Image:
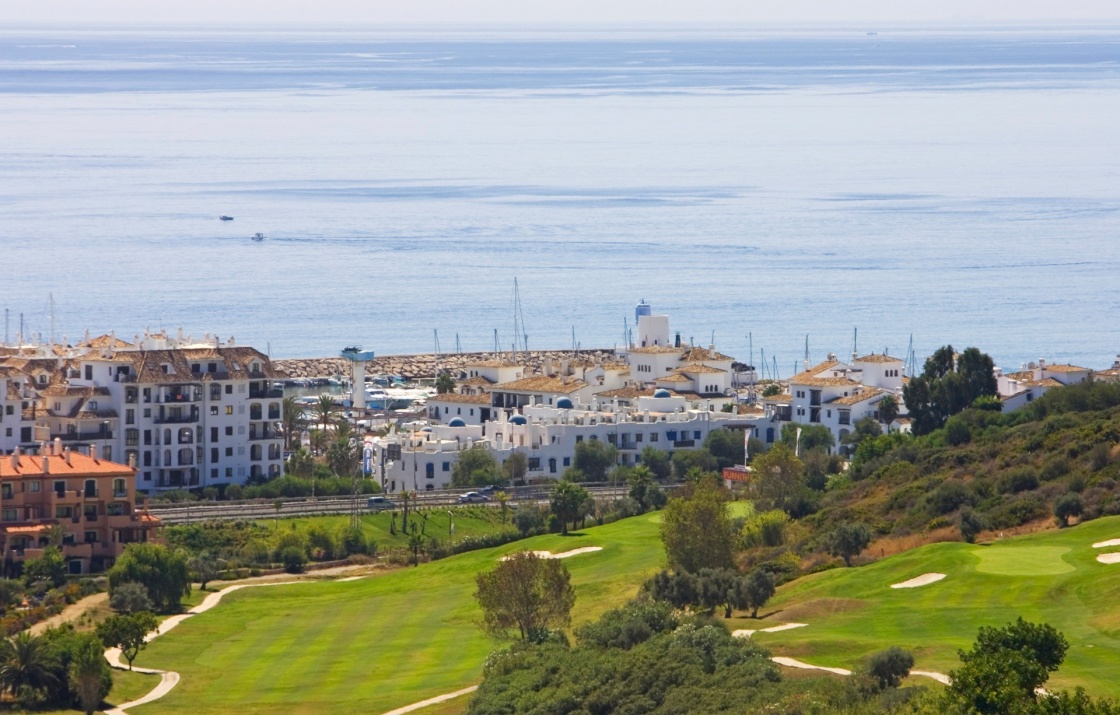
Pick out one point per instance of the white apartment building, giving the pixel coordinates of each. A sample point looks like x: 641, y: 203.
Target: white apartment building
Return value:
x: 191, y: 413
x: 1034, y: 380
x: 548, y: 435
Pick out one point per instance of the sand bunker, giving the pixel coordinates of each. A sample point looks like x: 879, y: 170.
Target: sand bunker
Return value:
x: 1103, y: 544
x: 923, y: 580
x: 564, y: 555
x: 745, y: 633
x: 791, y: 663
x: 1109, y: 558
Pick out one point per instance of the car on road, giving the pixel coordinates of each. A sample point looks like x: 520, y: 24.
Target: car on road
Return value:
x: 380, y: 504
x: 488, y: 489
x: 473, y: 498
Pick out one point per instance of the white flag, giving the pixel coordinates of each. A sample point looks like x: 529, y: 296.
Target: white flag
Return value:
x: 746, y: 445
x: 797, y: 443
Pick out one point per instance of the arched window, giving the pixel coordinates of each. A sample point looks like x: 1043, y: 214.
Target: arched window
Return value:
x: 552, y: 465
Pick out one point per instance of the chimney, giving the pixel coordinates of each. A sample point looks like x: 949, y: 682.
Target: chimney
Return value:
x: 132, y: 460
x: 15, y: 459
x: 57, y: 446
x: 93, y: 453
x: 46, y: 464
x: 66, y: 455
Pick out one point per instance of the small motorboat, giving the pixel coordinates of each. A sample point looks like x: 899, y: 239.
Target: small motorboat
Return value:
x: 226, y: 218
x: 258, y: 236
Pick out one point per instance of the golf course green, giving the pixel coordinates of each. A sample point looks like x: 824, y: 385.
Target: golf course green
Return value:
x: 1052, y: 576
x: 382, y: 642
x: 374, y: 644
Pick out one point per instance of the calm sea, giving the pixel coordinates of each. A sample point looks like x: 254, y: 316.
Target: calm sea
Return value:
x: 959, y: 185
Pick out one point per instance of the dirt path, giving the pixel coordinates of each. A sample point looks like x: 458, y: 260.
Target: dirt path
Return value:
x: 432, y: 701
x: 71, y: 613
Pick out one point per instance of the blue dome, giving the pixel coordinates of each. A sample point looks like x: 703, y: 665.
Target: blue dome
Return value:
x: 425, y: 429
x: 518, y: 420
x: 456, y: 422
x: 564, y: 403
x: 662, y: 392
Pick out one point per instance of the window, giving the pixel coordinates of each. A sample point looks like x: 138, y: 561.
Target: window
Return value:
x: 229, y: 391
x: 214, y: 454
x: 229, y: 451
x: 147, y: 476
x: 6, y: 490
x: 147, y: 458
x: 213, y: 434
x: 430, y: 470
x: 567, y: 461
x: 10, y: 515
x: 579, y: 438
x: 229, y: 472
x: 229, y: 431
x: 91, y: 537
x: 653, y: 436
x: 213, y: 473
x: 119, y: 489
x: 229, y: 409
x: 241, y: 408
x: 34, y: 487
x: 132, y: 437
x: 534, y: 463
x: 130, y: 417
x: 60, y: 488
x: 92, y: 405
x: 213, y: 410
x: 63, y: 512
x: 447, y: 466
x: 147, y: 437
x: 696, y: 435
x: 639, y: 437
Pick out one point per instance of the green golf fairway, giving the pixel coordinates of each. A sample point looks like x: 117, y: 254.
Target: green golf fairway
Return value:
x: 1052, y: 577
x: 374, y: 644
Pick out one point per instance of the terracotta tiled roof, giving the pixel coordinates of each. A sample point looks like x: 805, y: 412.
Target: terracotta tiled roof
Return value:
x: 80, y: 464
x: 1047, y: 382
x: 1065, y: 368
x: 476, y: 381
x: 1023, y: 375
x: 878, y: 358
x: 656, y: 350
x: 822, y: 381
x: 674, y: 377
x: 630, y: 392
x: 105, y: 341
x: 699, y: 369
x: 783, y: 399
x: 814, y: 371
x: 699, y: 354
x: 463, y: 399
x: 857, y: 398
x: 542, y: 383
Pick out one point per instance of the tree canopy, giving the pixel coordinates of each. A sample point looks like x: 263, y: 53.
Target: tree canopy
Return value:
x: 525, y: 593
x: 475, y: 467
x: 697, y: 530
x: 948, y: 384
x: 163, y: 572
x: 567, y: 501
x: 594, y: 458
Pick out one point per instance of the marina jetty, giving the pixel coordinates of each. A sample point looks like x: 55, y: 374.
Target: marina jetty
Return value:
x: 413, y: 367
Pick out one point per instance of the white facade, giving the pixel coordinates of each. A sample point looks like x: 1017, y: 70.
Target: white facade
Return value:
x: 192, y: 414
x: 471, y: 409
x: 1018, y: 389
x: 548, y: 436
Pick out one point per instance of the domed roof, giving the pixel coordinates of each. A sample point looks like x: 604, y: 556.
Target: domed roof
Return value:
x: 456, y: 422
x: 564, y: 403
x: 518, y: 420
x: 426, y: 429
x: 662, y: 392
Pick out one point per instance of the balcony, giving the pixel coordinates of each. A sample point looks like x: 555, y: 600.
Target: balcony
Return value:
x: 265, y: 393
x: 263, y: 434
x: 683, y: 443
x: 83, y: 436
x: 171, y: 417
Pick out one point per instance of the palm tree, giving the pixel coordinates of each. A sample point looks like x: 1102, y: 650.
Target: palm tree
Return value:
x: 292, y: 419
x: 888, y: 410
x: 324, y: 409
x: 503, y: 501
x: 27, y: 660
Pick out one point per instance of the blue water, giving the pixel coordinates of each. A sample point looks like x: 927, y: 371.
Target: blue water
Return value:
x: 958, y: 184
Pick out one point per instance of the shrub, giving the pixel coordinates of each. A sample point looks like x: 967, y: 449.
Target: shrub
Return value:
x: 1020, y: 479
x: 1068, y: 505
x: 890, y: 666
x: 629, y: 625
x: 293, y: 559
x: 235, y: 492
x: 130, y: 597
x: 970, y: 524
x: 948, y: 497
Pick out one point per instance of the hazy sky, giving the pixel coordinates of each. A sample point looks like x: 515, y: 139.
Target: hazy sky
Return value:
x: 550, y: 12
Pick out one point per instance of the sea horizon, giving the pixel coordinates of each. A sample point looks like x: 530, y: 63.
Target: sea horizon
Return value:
x: 954, y: 182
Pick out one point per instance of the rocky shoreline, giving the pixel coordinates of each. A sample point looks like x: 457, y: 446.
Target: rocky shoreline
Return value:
x: 413, y: 367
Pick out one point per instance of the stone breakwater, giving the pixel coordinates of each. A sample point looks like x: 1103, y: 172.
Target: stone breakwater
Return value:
x: 417, y: 366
